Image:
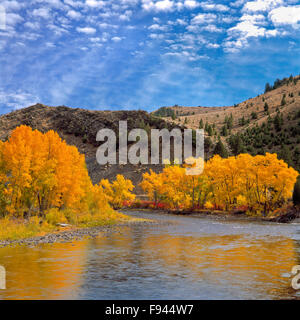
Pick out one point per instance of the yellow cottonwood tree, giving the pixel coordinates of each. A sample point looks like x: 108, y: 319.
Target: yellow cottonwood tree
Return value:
x: 118, y: 191
x: 261, y: 183
x: 40, y: 171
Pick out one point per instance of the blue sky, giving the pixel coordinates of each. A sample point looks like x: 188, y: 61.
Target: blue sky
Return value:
x: 144, y: 54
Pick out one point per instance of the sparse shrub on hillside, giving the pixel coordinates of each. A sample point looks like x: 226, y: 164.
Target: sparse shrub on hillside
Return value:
x: 254, y: 115
x: 279, y: 83
x: 266, y: 107
x: 165, y: 112
x: 243, y: 121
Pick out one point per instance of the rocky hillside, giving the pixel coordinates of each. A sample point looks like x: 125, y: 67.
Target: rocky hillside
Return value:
x: 79, y: 127
x: 269, y: 122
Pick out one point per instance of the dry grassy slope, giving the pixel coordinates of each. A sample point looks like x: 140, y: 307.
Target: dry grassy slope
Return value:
x: 217, y: 115
x: 79, y: 127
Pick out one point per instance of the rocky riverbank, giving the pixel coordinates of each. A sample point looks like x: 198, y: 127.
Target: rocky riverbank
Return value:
x: 75, y: 234
x: 292, y: 215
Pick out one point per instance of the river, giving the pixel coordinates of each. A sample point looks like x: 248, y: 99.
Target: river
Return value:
x: 183, y: 257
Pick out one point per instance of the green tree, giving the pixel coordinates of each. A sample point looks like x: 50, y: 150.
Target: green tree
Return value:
x: 254, y: 115
x: 268, y: 87
x: 266, y: 107
x: 224, y: 131
x: 296, y: 193
x: 236, y: 144
x: 278, y: 121
x: 207, y: 144
x: 201, y: 125
x: 286, y: 155
x: 220, y: 149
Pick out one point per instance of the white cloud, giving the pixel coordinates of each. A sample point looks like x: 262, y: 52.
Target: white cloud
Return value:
x: 126, y: 15
x: 212, y: 28
x: 116, y: 39
x: 156, y: 36
x: 177, y: 22
x: 13, y: 18
x: 42, y: 13
x: 86, y: 30
x: 161, y: 5
x: 254, y: 19
x: 74, y: 14
x: 181, y: 22
x: 247, y: 29
x: 250, y: 26
x: 191, y: 4
x: 95, y: 39
x: 234, y: 46
x: 213, y: 45
x: 74, y: 3
x: 32, y: 25
x: 285, y: 16
x: 95, y: 3
x: 57, y: 30
x: 237, y: 3
x: 58, y: 4
x: 12, y: 5
x: 261, y: 5
x: 158, y: 27
x: 17, y: 100
x: 214, y: 7
x: 228, y: 19
x: 202, y: 18
x: 272, y: 33
x: 50, y: 45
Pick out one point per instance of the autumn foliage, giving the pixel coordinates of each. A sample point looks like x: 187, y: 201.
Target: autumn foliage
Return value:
x: 118, y: 191
x: 40, y: 175
x: 259, y: 184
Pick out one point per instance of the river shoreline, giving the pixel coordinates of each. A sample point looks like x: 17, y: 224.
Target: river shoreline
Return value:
x: 292, y: 216
x: 75, y: 234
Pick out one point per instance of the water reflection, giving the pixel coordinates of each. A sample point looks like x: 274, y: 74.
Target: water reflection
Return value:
x: 189, y: 259
x: 44, y: 272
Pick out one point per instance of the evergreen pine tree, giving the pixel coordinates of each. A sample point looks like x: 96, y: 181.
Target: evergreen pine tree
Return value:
x: 221, y: 150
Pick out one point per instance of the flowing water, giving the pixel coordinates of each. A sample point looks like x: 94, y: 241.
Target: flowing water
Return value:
x: 187, y: 258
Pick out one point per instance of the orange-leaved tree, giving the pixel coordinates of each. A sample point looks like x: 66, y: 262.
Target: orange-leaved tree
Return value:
x: 260, y: 183
x: 118, y: 191
x: 40, y: 171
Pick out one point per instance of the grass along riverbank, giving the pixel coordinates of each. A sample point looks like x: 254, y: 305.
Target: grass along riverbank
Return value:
x: 62, y: 235
x: 56, y: 221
